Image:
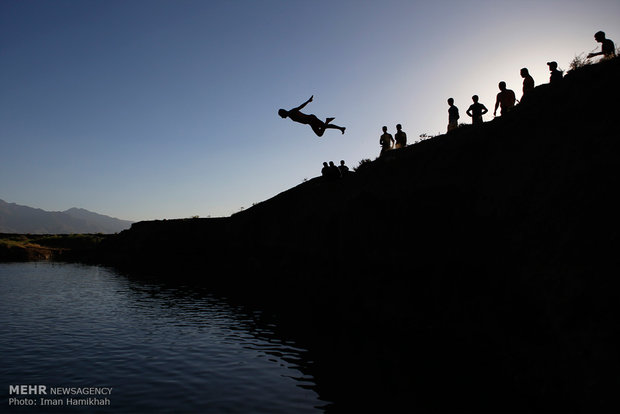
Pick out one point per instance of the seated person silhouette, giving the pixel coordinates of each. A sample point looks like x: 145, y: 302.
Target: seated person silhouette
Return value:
x: 344, y: 170
x: 528, y: 83
x: 325, y: 170
x: 315, y: 123
x: 556, y: 75
x: 476, y: 110
x: 506, y: 98
x: 334, y: 172
x: 608, y: 49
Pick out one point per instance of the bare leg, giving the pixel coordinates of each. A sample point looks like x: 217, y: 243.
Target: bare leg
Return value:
x: 331, y: 126
x: 319, y: 126
x: 328, y: 125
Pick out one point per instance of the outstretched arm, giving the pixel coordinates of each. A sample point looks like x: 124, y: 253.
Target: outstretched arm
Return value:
x: 305, y: 103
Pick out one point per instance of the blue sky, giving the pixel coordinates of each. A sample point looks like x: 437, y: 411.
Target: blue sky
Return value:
x: 166, y: 109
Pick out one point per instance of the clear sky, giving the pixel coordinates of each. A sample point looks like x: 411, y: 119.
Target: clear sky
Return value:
x: 167, y: 109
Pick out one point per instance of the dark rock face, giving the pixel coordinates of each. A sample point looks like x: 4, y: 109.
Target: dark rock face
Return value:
x: 495, y: 248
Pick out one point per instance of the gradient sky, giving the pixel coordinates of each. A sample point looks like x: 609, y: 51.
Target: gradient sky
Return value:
x: 167, y: 109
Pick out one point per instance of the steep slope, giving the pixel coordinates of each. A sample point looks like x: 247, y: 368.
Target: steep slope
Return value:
x: 495, y: 248
x: 106, y: 224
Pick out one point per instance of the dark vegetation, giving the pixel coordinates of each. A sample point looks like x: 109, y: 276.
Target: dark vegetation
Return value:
x: 472, y: 271
x: 62, y: 247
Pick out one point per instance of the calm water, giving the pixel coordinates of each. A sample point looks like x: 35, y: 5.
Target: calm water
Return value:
x: 160, y: 348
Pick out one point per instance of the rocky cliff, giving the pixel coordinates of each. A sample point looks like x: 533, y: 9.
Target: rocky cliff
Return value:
x: 493, y: 248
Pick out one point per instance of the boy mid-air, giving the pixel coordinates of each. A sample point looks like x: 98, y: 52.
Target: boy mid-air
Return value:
x: 315, y: 123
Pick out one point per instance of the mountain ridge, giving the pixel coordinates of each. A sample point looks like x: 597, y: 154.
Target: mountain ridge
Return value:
x: 15, y: 218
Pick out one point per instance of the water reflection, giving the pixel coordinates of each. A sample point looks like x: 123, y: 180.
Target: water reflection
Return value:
x: 163, y: 347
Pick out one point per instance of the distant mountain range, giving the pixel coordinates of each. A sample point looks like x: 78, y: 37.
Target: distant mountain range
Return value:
x: 27, y: 220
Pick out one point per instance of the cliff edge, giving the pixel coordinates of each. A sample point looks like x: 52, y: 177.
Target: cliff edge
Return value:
x: 494, y: 247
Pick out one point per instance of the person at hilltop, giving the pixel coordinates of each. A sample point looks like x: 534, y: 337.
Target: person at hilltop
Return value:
x: 325, y: 170
x: 400, y: 136
x: 476, y: 110
x: 453, y: 115
x: 315, y: 123
x: 344, y: 170
x: 334, y: 172
x: 556, y: 75
x: 608, y: 49
x: 386, y: 141
x: 505, y: 99
x: 528, y: 83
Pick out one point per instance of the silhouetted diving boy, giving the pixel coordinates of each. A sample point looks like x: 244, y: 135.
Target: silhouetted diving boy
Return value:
x: 315, y: 123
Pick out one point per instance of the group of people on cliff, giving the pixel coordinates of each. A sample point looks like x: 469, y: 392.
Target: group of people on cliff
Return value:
x: 506, y: 99
x: 332, y: 172
x: 387, y: 141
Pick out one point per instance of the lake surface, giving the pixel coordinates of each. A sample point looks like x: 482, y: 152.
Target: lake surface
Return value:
x: 160, y: 347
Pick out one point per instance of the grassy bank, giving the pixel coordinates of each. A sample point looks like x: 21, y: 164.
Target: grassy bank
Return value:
x: 35, y: 247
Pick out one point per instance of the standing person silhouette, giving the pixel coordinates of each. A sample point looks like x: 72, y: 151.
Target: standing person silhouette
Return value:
x: 453, y: 115
x: 476, y: 110
x: 315, y: 123
x: 386, y: 141
x: 506, y: 99
x: 401, y: 137
x: 608, y: 49
x: 528, y: 82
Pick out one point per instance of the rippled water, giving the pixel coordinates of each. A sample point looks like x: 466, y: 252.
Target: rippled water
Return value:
x: 161, y: 348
